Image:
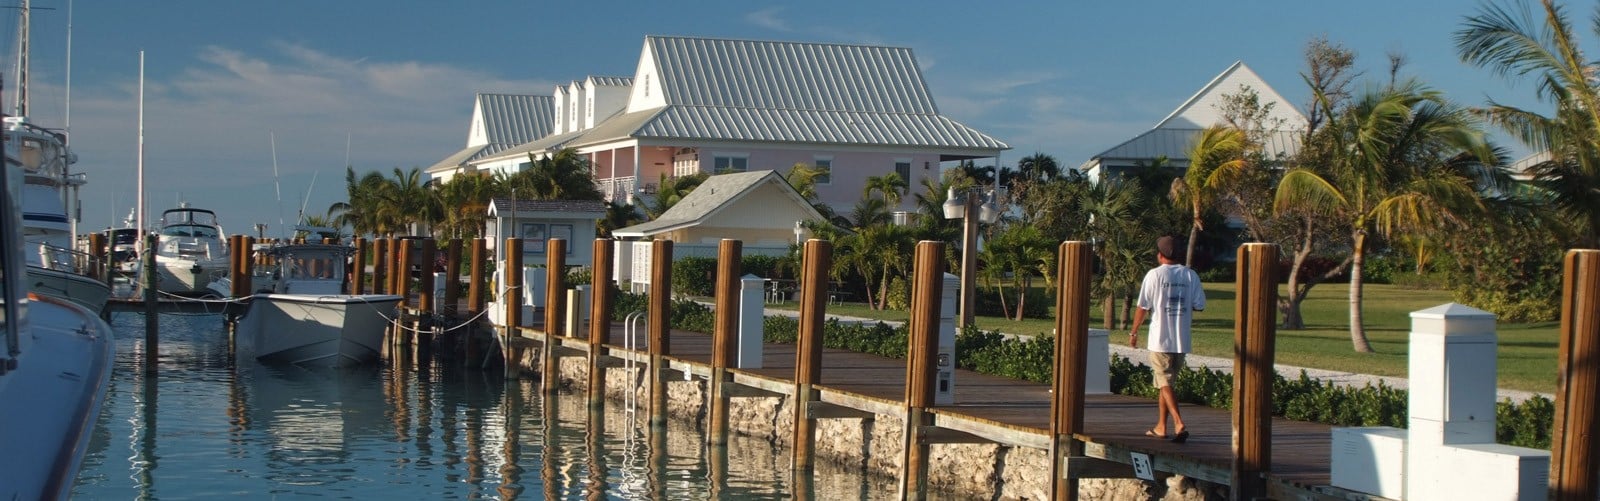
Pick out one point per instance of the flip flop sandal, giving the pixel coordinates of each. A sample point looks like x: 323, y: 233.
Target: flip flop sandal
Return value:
x: 1181, y: 437
x: 1152, y: 433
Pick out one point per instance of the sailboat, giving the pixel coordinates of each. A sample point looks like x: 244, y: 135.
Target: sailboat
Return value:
x: 56, y: 266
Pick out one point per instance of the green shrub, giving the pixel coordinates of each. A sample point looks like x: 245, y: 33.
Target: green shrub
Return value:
x: 1526, y: 424
x: 694, y: 276
x: 1040, y: 303
x: 761, y: 266
x: 899, y: 294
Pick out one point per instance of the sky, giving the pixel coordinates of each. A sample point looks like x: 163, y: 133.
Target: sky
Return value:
x: 385, y: 84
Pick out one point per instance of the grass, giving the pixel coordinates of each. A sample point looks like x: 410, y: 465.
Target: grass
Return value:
x: 1527, y: 352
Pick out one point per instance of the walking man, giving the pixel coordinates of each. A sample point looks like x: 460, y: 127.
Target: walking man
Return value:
x: 1172, y: 291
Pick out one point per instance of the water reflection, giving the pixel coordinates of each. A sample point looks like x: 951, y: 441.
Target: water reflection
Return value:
x: 414, y: 431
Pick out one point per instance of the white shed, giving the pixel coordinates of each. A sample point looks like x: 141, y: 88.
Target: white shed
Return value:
x: 536, y: 221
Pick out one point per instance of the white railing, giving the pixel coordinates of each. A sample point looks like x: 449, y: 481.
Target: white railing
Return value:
x: 617, y: 188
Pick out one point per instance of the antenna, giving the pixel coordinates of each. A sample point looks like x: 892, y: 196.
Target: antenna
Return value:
x: 276, y: 188
x: 307, y: 199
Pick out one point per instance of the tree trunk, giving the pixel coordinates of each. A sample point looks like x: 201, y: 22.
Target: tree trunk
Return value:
x: 1127, y: 311
x: 1194, y: 236
x: 883, y: 292
x: 1289, y: 305
x: 1000, y: 290
x: 1358, y: 335
x: 1107, y: 311
x: 1022, y: 297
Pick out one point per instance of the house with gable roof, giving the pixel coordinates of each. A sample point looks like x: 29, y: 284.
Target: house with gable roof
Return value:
x: 721, y: 105
x: 499, y: 123
x: 759, y: 208
x: 1172, y: 137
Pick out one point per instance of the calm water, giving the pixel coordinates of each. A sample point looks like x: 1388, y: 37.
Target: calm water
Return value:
x: 202, y: 427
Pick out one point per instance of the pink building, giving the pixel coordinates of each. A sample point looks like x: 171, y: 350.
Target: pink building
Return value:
x: 718, y: 105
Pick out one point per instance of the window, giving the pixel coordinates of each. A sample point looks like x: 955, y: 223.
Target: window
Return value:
x: 729, y: 163
x: 902, y: 166
x: 825, y: 166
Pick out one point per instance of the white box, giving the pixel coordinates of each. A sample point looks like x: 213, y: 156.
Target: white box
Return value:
x: 1371, y: 460
x: 1480, y: 471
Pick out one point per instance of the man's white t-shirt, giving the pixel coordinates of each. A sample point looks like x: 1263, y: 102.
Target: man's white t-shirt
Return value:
x: 1171, y: 292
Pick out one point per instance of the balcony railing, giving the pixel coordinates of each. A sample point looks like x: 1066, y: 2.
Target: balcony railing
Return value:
x: 616, y: 189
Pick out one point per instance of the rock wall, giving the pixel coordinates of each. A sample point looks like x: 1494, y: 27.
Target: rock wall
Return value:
x: 869, y: 450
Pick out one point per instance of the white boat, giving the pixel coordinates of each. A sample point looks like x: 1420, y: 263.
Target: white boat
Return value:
x: 57, y: 267
x: 55, y: 367
x: 191, y: 252
x: 307, y: 319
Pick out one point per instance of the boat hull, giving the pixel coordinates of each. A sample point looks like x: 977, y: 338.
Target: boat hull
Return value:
x: 54, y: 394
x: 81, y: 290
x: 314, y: 330
x: 188, y: 276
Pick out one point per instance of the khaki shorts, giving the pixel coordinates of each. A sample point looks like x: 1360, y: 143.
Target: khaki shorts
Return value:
x: 1164, y: 367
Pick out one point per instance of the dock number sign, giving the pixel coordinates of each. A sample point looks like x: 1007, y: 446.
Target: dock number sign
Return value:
x: 1141, y: 466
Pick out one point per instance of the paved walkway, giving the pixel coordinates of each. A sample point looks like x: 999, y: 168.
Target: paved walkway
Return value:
x: 1226, y: 364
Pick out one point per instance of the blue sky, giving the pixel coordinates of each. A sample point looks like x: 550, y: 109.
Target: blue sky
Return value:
x: 397, y: 77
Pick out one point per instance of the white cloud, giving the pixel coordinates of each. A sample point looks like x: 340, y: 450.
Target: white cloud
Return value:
x: 769, y: 18
x: 207, y: 127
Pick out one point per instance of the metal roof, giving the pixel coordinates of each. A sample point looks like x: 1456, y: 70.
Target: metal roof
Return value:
x: 467, y: 155
x: 513, y: 119
x: 712, y: 196
x: 808, y: 126
x: 500, y: 205
x: 547, y: 143
x: 1174, y: 143
x: 789, y: 75
x: 603, y: 81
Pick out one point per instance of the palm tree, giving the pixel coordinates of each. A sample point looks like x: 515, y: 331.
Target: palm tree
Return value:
x: 467, y: 198
x: 891, y: 185
x: 618, y: 215
x: 563, y: 175
x: 671, y: 190
x: 1392, y: 170
x: 1215, y: 157
x: 1039, y: 167
x: 1018, y: 250
x: 1516, y: 43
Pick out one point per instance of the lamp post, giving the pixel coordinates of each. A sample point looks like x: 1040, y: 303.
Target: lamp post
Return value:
x: 964, y: 209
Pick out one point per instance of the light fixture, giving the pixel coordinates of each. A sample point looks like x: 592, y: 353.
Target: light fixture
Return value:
x: 987, y: 213
x: 954, y: 209
x: 799, y: 232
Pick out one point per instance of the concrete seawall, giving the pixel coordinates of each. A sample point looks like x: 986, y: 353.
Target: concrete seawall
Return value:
x: 872, y: 447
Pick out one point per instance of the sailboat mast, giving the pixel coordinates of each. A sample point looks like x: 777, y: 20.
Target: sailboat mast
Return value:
x: 20, y: 105
x: 140, y: 205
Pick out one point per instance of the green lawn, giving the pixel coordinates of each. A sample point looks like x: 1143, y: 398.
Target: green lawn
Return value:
x: 1527, y: 351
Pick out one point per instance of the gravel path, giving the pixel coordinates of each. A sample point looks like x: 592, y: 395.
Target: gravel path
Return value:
x: 1226, y: 364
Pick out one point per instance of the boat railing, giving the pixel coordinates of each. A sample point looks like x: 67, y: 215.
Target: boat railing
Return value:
x: 57, y: 258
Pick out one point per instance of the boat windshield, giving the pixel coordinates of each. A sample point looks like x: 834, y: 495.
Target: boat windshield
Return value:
x: 189, y: 230
x: 315, y: 267
x: 124, y: 237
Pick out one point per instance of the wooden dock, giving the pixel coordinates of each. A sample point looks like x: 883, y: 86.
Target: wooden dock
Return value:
x: 1014, y: 412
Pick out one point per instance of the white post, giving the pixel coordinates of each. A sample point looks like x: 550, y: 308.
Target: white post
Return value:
x: 439, y: 285
x: 584, y: 296
x: 1452, y: 386
x: 574, y: 314
x: 1450, y: 448
x: 1097, y: 375
x: 752, y: 320
x: 621, y: 262
x: 532, y: 293
x: 944, y: 393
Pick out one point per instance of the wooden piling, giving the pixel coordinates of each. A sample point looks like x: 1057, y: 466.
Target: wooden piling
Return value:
x: 512, y: 301
x: 425, y: 301
x: 380, y: 265
x: 235, y: 266
x: 476, y: 279
x: 599, y: 321
x: 1576, y: 435
x: 402, y: 271
x: 555, y: 311
x: 724, y: 336
x: 922, y: 368
x: 358, y: 267
x: 247, y: 265
x: 816, y: 260
x: 152, y: 324
x: 1076, y: 265
x: 1255, y: 326
x: 660, y: 326
x: 97, y: 257
x: 475, y: 287
x: 452, y: 278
